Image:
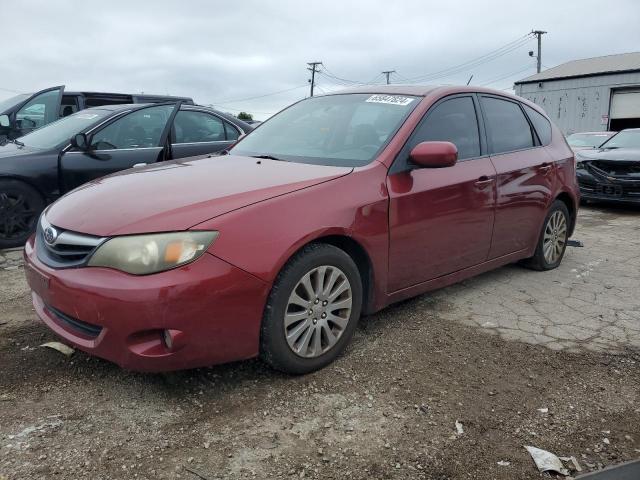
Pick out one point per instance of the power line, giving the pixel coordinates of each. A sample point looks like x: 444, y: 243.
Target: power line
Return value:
x: 487, y: 57
x: 236, y: 100
x: 504, y: 76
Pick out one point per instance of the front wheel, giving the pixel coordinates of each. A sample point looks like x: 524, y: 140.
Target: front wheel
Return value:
x: 553, y: 239
x: 312, y: 310
x: 20, y: 207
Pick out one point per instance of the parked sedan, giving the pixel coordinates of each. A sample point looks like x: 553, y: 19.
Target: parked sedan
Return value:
x: 25, y: 112
x: 588, y: 140
x: 42, y: 165
x: 612, y: 172
x: 339, y: 205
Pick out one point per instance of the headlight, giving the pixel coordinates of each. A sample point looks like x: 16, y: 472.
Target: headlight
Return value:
x: 144, y: 254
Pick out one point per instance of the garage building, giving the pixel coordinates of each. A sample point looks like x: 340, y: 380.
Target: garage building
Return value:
x: 589, y: 95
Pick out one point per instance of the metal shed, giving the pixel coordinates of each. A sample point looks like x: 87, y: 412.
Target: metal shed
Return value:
x: 592, y: 94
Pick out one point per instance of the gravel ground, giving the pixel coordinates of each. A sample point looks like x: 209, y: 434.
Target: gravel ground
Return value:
x: 516, y: 357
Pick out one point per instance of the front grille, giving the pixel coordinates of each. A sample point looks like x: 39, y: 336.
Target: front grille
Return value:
x: 622, y: 170
x: 64, y: 248
x: 85, y: 328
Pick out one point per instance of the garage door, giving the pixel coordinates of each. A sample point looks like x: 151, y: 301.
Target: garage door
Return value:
x: 625, y: 109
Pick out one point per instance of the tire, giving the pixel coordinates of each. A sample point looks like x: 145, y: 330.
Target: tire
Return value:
x: 20, y: 208
x: 291, y: 346
x: 553, y: 239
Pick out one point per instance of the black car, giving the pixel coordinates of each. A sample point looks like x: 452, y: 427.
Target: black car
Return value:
x: 23, y: 113
x: 611, y: 172
x: 41, y: 166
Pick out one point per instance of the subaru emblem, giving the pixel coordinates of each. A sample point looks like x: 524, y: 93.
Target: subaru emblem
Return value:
x: 50, y: 235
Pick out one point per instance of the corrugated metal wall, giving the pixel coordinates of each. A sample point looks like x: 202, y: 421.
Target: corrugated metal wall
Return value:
x: 579, y: 104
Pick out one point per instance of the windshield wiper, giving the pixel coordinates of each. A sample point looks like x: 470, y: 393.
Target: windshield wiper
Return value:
x: 269, y: 157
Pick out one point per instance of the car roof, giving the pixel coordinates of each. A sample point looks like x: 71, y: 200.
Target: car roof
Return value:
x: 185, y: 106
x: 426, y: 90
x: 594, y: 133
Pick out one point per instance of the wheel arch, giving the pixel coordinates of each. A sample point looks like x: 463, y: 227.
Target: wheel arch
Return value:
x: 570, y: 203
x: 358, y: 254
x: 29, y: 183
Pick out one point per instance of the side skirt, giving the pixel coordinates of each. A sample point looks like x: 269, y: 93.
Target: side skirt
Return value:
x: 455, y: 277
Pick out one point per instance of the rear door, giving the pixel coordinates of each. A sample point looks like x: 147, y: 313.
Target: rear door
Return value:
x: 198, y: 132
x: 138, y: 136
x: 525, y: 175
x: 42, y: 108
x: 441, y: 219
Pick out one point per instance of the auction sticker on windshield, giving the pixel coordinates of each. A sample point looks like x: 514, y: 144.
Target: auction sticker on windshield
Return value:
x: 390, y: 99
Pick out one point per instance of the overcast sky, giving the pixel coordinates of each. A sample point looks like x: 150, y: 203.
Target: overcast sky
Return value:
x: 222, y: 52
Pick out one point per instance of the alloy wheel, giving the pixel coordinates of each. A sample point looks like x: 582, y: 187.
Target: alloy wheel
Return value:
x: 318, y: 311
x: 16, y: 215
x: 555, y: 237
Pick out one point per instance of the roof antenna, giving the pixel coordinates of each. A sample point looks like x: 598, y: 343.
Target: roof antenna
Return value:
x: 469, y: 79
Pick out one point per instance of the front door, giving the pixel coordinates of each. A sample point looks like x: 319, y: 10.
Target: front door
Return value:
x: 138, y: 137
x: 525, y: 176
x: 196, y: 132
x: 441, y: 219
x: 42, y: 108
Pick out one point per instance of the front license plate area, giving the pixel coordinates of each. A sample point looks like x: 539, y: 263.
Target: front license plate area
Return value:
x: 609, y: 190
x: 38, y: 281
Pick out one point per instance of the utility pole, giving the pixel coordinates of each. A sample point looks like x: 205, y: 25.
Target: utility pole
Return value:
x: 538, y: 34
x: 313, y: 70
x: 388, y: 74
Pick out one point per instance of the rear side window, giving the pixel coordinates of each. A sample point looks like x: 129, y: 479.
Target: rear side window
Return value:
x: 197, y: 127
x: 507, y: 127
x: 541, y: 124
x: 452, y: 121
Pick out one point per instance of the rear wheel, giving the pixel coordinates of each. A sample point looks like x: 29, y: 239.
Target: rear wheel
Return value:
x: 312, y: 310
x: 553, y: 239
x: 20, y: 207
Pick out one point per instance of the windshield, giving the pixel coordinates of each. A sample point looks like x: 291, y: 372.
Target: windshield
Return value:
x: 57, y: 133
x: 341, y: 130
x: 11, y: 102
x: 624, y: 139
x: 592, y: 140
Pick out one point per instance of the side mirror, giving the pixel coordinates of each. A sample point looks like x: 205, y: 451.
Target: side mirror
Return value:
x: 434, y: 154
x: 80, y: 141
x: 4, y: 121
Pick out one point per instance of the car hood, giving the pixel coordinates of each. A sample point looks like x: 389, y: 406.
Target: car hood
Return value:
x: 179, y: 194
x: 13, y: 150
x: 614, y: 155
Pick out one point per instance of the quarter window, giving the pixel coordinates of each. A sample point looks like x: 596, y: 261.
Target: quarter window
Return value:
x: 196, y: 127
x: 541, y: 124
x: 507, y: 127
x: 452, y: 121
x: 232, y: 132
x: 139, y: 129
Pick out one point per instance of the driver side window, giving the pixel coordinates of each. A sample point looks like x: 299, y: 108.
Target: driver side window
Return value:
x: 452, y: 121
x: 139, y: 129
x: 38, y: 111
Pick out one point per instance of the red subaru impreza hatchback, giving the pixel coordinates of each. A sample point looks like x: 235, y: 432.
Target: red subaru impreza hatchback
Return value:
x: 334, y: 208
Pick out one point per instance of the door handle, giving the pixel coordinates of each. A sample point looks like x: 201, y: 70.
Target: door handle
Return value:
x: 483, y: 181
x: 545, y: 168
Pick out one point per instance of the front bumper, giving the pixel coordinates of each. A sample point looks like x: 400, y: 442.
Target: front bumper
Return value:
x: 605, y: 189
x: 212, y: 309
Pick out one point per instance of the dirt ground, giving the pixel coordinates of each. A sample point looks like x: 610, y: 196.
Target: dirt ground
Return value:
x: 491, y: 353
